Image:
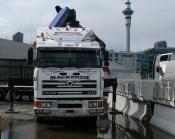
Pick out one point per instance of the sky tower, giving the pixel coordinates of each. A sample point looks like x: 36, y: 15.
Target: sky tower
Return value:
x: 128, y: 12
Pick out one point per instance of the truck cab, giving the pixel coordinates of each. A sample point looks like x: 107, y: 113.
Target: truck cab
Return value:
x: 164, y: 67
x: 68, y: 74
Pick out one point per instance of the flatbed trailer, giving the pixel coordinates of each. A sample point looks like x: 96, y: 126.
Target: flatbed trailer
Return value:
x: 20, y: 87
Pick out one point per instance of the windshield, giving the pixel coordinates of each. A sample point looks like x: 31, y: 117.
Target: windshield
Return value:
x: 68, y: 58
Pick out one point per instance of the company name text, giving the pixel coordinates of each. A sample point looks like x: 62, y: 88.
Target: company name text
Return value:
x: 55, y: 77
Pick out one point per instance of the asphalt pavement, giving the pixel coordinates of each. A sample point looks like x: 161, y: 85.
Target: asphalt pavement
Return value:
x: 22, y: 110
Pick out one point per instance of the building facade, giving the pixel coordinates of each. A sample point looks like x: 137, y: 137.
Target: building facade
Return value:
x: 15, y: 68
x: 130, y: 62
x: 13, y: 60
x: 122, y: 61
x: 143, y: 64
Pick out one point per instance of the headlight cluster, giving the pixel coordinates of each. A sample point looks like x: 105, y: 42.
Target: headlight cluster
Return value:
x: 92, y: 104
x: 46, y: 104
x: 95, y: 104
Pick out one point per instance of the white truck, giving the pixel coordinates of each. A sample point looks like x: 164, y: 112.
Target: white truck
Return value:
x: 164, y: 67
x: 69, y: 72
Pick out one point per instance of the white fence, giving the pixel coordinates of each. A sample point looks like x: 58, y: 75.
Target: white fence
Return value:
x: 130, y: 89
x: 141, y: 90
x: 162, y: 92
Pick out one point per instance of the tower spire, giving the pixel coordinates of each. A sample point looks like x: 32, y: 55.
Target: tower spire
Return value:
x: 128, y: 12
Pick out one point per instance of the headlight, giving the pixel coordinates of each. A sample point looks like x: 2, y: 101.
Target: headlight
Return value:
x: 92, y: 104
x: 46, y: 104
x: 100, y: 104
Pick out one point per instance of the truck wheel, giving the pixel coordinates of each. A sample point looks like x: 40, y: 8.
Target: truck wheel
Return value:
x: 2, y: 94
x: 39, y: 119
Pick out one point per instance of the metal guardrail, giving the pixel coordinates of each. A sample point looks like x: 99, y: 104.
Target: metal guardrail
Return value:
x: 164, y: 93
x: 130, y: 89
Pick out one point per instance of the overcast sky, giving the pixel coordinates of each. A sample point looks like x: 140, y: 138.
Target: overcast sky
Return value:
x: 153, y: 20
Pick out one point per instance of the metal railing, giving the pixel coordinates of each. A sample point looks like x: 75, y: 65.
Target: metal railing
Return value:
x: 130, y: 89
x: 164, y: 93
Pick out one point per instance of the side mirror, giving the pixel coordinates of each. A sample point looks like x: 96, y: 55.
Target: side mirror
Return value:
x: 106, y: 56
x: 30, y: 55
x: 159, y: 69
x: 106, y: 63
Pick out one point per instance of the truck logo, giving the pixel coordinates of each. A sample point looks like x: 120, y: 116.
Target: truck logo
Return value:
x: 69, y: 83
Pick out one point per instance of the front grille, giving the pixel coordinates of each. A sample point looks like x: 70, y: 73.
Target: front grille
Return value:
x: 73, y: 86
x: 80, y: 84
x: 69, y: 93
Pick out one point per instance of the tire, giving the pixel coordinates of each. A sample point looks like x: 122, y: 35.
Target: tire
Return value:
x: 39, y: 119
x: 2, y: 94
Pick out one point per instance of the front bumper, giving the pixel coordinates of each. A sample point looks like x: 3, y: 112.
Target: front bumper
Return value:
x: 55, y: 112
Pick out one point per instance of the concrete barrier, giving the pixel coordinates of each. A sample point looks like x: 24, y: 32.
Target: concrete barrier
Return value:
x: 129, y: 107
x: 163, y: 118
